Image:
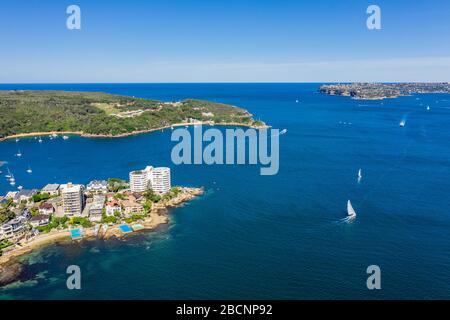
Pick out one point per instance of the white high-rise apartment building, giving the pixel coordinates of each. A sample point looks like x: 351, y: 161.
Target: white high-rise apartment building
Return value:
x: 157, y: 179
x: 72, y: 199
x: 140, y: 180
x: 161, y: 180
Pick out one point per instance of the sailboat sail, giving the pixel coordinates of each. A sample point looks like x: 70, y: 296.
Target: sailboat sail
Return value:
x: 351, y: 212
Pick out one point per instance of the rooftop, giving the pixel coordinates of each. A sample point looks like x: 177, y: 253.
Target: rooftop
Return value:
x: 25, y: 193
x: 46, y: 205
x: 50, y: 187
x: 39, y: 217
x: 102, y: 183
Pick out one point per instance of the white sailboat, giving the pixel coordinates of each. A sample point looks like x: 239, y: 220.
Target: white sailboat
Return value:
x: 19, y: 154
x: 65, y: 137
x: 29, y: 170
x: 359, y: 175
x: 402, y: 123
x: 428, y: 107
x: 350, y: 211
x: 19, y: 187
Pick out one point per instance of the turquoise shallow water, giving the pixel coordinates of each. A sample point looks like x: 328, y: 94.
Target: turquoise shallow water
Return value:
x: 255, y: 236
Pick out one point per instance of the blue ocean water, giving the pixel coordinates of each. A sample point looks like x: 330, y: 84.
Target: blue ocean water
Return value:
x: 268, y: 237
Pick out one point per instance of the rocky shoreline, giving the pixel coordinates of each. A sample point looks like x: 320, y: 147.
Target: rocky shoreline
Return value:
x: 122, y: 135
x: 11, y: 267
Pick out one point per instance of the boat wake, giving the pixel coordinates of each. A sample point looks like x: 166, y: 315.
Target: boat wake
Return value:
x: 346, y: 220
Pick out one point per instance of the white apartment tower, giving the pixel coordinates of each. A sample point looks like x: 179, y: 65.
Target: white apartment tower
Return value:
x: 140, y: 180
x: 72, y: 199
x: 157, y: 179
x: 161, y: 180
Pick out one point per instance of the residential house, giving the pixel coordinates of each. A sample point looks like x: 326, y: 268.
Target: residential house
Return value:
x: 25, y: 215
x: 46, y: 208
x: 52, y: 189
x: 112, y: 207
x: 13, y: 229
x: 24, y: 195
x: 131, y: 207
x: 97, y: 186
x: 133, y: 196
x: 40, y: 220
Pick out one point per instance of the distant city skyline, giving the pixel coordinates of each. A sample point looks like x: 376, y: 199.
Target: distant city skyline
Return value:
x: 224, y: 41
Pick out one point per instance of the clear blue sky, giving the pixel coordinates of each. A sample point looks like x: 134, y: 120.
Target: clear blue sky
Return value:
x: 224, y: 41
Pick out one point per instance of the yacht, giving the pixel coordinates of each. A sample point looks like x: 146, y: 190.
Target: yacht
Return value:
x: 29, y: 170
x: 350, y: 211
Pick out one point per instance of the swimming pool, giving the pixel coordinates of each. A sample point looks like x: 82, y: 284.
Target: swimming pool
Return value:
x: 76, y: 233
x: 125, y: 228
x: 137, y: 227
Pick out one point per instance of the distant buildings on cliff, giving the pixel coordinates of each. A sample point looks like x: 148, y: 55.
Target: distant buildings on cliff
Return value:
x: 377, y: 91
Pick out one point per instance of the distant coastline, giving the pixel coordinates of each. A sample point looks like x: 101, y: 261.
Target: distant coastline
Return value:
x: 127, y: 134
x: 381, y: 91
x: 94, y: 114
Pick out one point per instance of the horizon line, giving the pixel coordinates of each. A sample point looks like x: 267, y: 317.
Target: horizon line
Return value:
x: 216, y: 82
